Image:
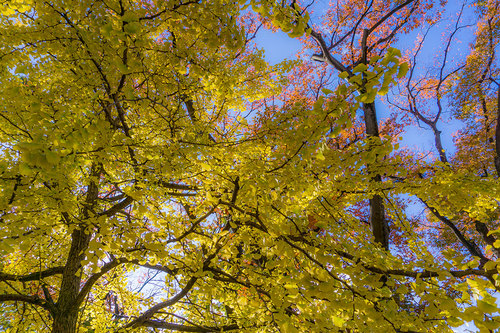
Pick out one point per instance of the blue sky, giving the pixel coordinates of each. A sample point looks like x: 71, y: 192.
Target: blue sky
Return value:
x: 278, y: 46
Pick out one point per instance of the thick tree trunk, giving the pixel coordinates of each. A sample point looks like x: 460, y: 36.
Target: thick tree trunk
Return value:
x: 66, y: 313
x: 67, y: 306
x: 65, y: 322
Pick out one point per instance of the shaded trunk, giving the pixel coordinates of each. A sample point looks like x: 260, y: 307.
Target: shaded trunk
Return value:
x: 66, y: 308
x: 65, y: 322
x: 370, y: 119
x: 497, y: 135
x: 378, y: 223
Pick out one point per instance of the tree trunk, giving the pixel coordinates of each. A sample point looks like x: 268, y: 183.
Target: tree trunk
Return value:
x: 438, y: 143
x: 380, y: 229
x: 65, y: 322
x: 497, y: 135
x: 378, y: 223
x: 66, y: 313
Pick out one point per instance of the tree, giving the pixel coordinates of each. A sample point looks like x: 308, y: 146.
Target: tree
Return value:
x: 114, y: 115
x: 149, y: 136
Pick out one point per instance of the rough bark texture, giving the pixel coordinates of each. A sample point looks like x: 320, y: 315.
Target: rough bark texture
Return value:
x: 66, y: 312
x: 66, y: 309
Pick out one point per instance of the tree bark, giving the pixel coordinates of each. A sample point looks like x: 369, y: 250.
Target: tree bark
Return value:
x: 370, y: 119
x: 378, y: 223
x: 66, y: 311
x: 438, y: 143
x: 497, y: 135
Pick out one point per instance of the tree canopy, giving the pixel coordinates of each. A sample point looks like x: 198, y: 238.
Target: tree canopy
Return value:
x: 156, y: 173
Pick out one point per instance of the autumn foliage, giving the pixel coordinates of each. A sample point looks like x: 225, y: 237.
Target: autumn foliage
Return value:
x: 156, y: 173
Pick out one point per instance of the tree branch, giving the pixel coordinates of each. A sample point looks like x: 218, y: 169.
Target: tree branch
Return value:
x: 416, y: 274
x: 32, y: 276
x: 35, y: 300
x: 194, y: 225
x: 392, y: 12
x: 93, y: 279
x: 185, y: 328
x: 488, y: 239
x: 139, y: 321
x: 326, y: 56
x: 118, y: 207
x: 174, y: 186
x: 471, y: 247
x: 397, y: 272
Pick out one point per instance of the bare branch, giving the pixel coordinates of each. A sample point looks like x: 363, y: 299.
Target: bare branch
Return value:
x: 389, y: 14
x: 397, y: 272
x: 175, y: 186
x: 193, y: 226
x: 417, y: 274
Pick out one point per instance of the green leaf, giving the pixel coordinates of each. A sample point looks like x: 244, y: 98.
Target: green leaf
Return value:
x: 360, y: 68
x: 403, y: 69
x: 132, y: 28
x: 486, y: 307
x: 344, y: 75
